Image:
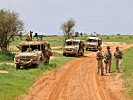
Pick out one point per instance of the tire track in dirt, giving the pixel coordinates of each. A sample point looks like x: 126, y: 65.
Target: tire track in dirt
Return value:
x: 77, y: 80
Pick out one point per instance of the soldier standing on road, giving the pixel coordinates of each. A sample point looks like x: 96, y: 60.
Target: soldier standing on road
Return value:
x: 118, y: 58
x: 108, y: 58
x: 99, y: 57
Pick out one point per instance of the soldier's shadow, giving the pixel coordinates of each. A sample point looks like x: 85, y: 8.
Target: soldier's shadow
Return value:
x: 28, y: 68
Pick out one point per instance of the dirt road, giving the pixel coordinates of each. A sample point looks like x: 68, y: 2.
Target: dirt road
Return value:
x: 78, y: 80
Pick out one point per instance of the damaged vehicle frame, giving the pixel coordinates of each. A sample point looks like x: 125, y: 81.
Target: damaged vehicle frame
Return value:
x: 31, y: 53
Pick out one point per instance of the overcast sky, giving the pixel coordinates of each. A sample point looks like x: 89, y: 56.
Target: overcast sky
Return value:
x: 101, y: 16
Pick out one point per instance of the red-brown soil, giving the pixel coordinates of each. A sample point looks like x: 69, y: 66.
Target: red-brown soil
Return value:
x: 78, y: 80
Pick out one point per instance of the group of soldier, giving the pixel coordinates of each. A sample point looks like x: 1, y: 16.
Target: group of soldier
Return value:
x: 107, y: 58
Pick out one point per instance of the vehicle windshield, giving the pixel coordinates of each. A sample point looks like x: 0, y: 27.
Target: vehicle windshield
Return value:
x: 92, y: 40
x: 24, y: 48
x: 29, y: 48
x: 69, y: 43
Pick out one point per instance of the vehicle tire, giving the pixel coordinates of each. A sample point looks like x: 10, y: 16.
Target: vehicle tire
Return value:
x: 86, y: 49
x: 17, y: 66
x: 64, y: 54
x: 35, y: 65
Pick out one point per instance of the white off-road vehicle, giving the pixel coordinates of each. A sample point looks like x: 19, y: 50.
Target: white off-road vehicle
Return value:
x: 92, y: 43
x: 73, y: 47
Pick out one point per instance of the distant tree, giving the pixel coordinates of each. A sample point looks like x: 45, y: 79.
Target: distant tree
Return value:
x: 98, y: 34
x: 67, y: 28
x: 81, y: 34
x: 118, y: 34
x: 20, y: 35
x: 10, y: 25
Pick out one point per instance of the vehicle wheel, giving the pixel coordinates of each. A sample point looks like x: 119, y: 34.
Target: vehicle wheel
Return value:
x: 64, y: 54
x: 17, y: 67
x: 86, y: 49
x: 35, y: 65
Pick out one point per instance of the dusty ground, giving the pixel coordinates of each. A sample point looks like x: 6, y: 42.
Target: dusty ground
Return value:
x: 77, y: 80
x: 7, y: 63
x: 3, y: 72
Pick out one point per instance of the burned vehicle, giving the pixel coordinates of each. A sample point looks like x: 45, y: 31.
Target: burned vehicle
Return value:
x: 32, y: 53
x: 73, y: 47
x: 92, y: 43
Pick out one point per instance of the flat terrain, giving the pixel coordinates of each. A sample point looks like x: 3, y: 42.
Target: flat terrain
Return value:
x: 78, y: 80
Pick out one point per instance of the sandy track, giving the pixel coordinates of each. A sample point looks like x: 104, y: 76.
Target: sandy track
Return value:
x: 77, y: 80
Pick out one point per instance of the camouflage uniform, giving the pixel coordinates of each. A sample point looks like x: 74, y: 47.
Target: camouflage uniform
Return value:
x: 108, y: 58
x: 118, y: 58
x: 99, y: 58
x: 29, y: 36
x: 45, y: 56
x: 46, y: 53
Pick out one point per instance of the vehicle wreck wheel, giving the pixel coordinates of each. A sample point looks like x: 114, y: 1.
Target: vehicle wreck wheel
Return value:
x: 17, y: 67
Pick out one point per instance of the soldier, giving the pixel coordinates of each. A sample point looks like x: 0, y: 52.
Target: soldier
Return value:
x: 99, y: 57
x: 29, y: 36
x: 118, y: 58
x: 46, y: 53
x: 108, y: 58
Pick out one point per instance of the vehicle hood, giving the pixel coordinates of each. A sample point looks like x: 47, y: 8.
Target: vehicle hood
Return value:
x: 71, y: 47
x: 28, y: 53
x: 92, y: 43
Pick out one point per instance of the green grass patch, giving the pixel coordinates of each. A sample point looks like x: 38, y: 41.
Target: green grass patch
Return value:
x: 53, y: 40
x: 126, y: 39
x: 128, y: 71
x: 127, y: 74
x: 17, y: 82
x: 58, y: 40
x: 6, y: 57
